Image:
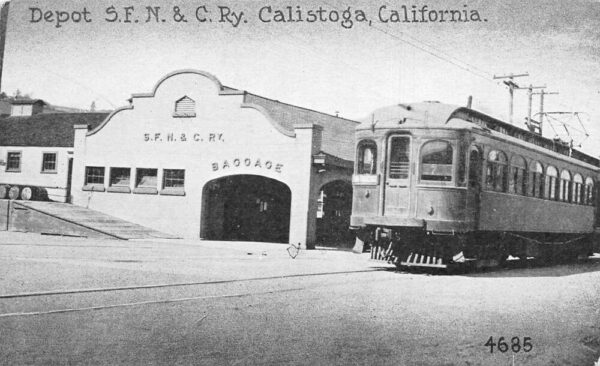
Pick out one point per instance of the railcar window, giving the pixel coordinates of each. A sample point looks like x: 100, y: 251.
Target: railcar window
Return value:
x: 564, y: 192
x: 589, y: 191
x: 399, y: 162
x: 551, y: 180
x: 518, y: 177
x: 578, y: 189
x: 367, y: 157
x: 537, y: 180
x: 436, y: 161
x: 497, y: 171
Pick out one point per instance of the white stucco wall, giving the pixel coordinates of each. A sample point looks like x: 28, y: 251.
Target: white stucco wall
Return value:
x: 206, y: 146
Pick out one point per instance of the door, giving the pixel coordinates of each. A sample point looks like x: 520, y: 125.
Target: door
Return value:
x: 69, y: 178
x: 474, y: 187
x: 397, y: 180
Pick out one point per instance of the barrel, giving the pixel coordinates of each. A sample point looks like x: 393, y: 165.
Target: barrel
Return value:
x: 3, y: 191
x: 13, y: 192
x: 33, y: 194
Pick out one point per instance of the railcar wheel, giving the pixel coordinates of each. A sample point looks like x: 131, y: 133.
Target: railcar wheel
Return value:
x: 3, y: 191
x: 13, y: 192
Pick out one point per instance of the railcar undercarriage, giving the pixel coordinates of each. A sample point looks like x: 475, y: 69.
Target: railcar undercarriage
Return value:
x: 417, y: 248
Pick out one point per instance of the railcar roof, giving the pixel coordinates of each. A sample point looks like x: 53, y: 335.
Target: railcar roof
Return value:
x: 435, y: 114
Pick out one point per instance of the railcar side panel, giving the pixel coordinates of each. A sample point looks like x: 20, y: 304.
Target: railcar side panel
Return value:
x: 441, y: 204
x: 505, y: 212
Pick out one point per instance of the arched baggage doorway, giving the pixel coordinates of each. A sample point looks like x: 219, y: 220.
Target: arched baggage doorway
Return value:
x: 246, y: 208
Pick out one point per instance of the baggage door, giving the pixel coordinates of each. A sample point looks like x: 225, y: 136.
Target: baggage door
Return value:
x: 397, y: 180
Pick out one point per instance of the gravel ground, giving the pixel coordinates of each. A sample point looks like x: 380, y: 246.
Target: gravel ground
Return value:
x: 215, y: 303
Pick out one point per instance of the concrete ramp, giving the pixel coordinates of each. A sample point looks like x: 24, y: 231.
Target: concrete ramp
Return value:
x: 65, y: 219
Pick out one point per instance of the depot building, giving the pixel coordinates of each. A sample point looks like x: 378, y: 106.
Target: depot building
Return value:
x: 198, y: 159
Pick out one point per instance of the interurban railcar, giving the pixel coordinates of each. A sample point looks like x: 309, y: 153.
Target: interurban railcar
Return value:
x: 436, y: 184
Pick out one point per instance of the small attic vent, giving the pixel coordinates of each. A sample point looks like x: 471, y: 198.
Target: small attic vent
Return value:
x: 185, y: 107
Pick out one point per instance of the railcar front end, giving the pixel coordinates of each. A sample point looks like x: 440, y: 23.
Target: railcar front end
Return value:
x: 411, y: 197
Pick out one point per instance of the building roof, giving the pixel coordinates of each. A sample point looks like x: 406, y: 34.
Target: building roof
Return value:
x: 45, y: 130
x: 27, y: 101
x: 338, y: 133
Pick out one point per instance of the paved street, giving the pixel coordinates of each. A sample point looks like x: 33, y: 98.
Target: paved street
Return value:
x: 78, y: 301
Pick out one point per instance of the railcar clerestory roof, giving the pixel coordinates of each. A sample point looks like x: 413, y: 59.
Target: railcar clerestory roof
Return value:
x: 440, y: 115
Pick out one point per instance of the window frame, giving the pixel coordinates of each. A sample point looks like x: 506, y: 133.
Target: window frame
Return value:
x: 94, y: 186
x: 565, y: 186
x: 362, y: 146
x: 552, y: 184
x: 538, y: 179
x: 145, y: 189
x: 172, y: 190
x: 589, y: 194
x: 49, y: 171
x: 578, y: 189
x: 496, y: 174
x: 389, y: 155
x: 117, y: 187
x: 514, y: 185
x: 20, y: 156
x: 453, y: 165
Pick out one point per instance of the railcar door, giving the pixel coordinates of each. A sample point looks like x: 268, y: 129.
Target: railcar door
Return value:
x: 474, y: 187
x: 397, y: 180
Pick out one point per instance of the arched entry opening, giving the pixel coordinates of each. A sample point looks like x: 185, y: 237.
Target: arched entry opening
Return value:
x: 333, y: 215
x: 246, y: 208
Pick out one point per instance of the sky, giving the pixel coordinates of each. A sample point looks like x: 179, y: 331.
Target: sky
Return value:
x: 350, y: 69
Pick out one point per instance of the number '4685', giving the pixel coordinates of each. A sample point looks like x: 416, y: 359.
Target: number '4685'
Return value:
x: 515, y: 345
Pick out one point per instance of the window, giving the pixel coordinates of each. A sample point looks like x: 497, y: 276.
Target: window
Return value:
x: 367, y: 157
x: 146, y: 178
x: 551, y: 180
x: 518, y: 178
x: 399, y: 162
x: 120, y: 176
x: 436, y: 161
x: 13, y: 161
x: 496, y: 173
x: 49, y: 162
x: 564, y: 191
x: 578, y: 189
x: 120, y: 179
x: 537, y: 180
x: 94, y: 178
x: 185, y: 107
x: 589, y: 191
x: 94, y: 175
x: 173, y: 178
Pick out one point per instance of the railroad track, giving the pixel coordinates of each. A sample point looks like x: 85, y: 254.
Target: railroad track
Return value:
x: 45, y: 295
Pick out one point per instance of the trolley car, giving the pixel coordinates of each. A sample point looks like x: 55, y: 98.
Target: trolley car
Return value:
x: 437, y: 185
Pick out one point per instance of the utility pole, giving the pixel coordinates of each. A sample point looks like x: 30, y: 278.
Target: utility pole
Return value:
x: 511, y: 88
x: 541, y: 94
x: 530, y: 99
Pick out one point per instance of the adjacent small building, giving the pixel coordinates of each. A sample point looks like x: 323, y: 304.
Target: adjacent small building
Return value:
x: 199, y: 159
x: 36, y: 147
